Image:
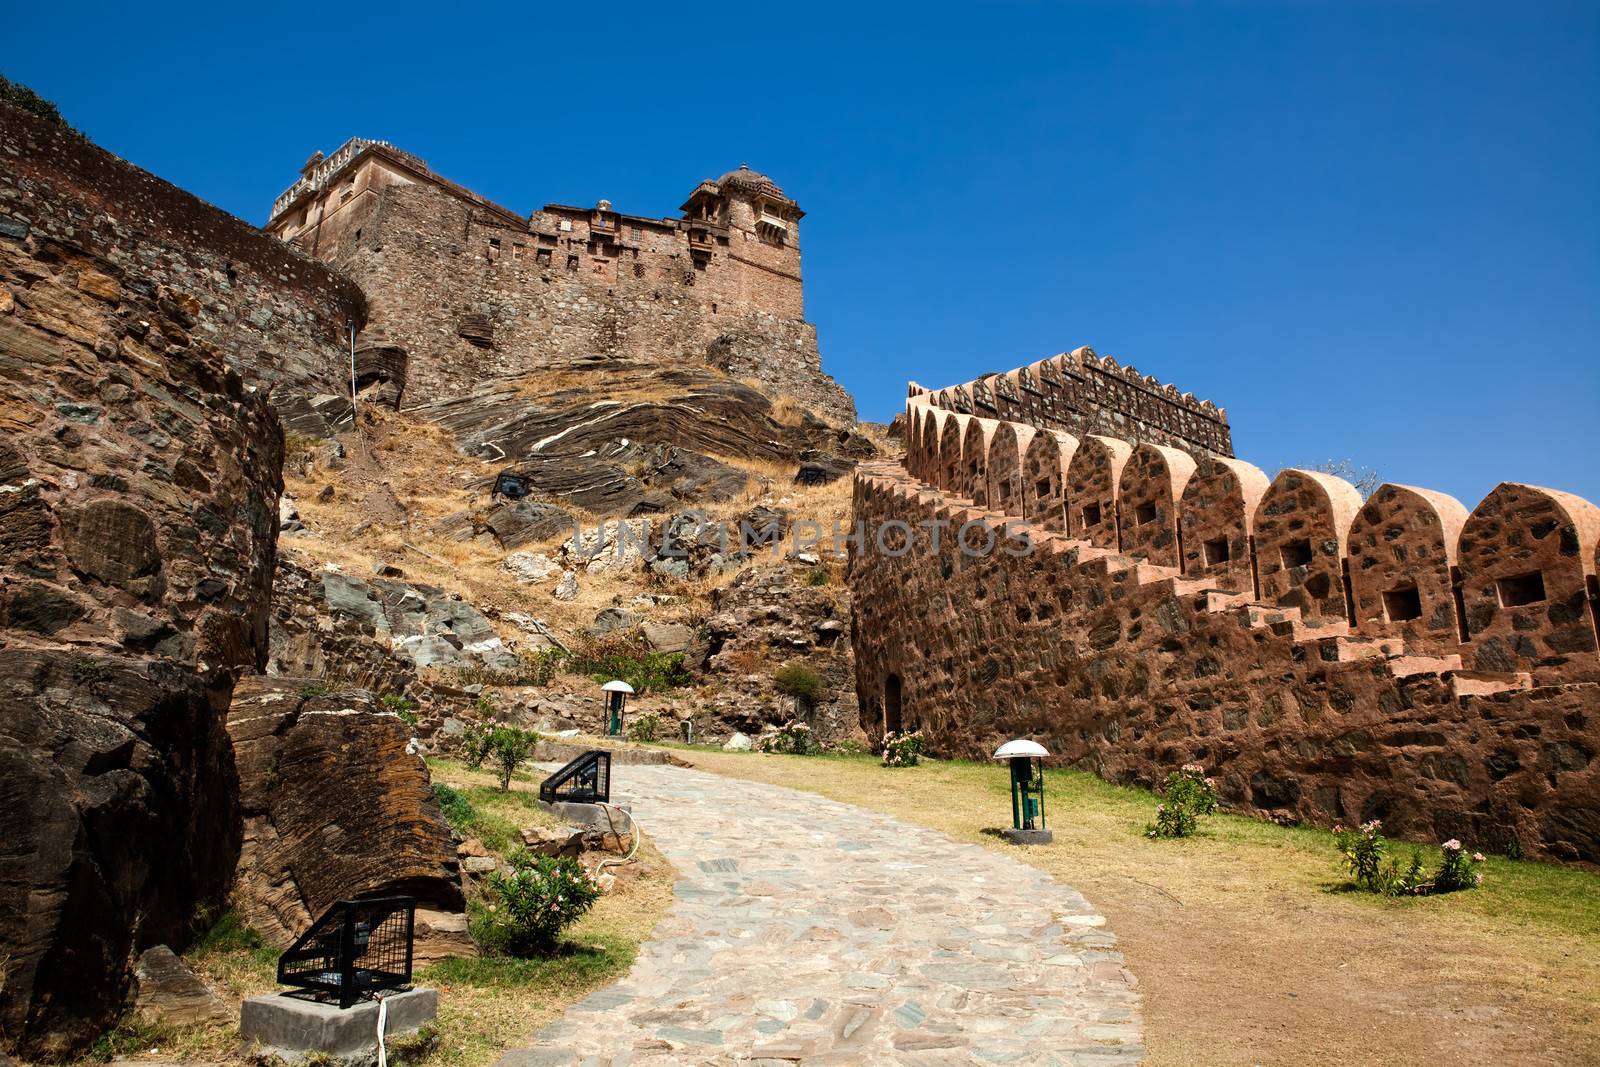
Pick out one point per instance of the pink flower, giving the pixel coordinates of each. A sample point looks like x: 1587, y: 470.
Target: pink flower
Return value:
x: 1338, y: 828
x: 1452, y: 845
x: 1477, y: 857
x: 1477, y: 879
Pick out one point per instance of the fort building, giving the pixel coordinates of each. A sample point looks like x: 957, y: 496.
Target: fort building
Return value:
x: 470, y: 290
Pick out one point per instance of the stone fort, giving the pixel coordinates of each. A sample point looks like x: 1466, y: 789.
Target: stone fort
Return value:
x: 461, y: 289
x: 1326, y: 658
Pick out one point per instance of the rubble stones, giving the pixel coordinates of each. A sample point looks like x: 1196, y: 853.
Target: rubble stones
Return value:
x: 529, y: 567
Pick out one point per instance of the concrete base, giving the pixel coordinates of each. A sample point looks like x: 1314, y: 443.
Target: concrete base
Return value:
x: 1028, y: 837
x: 292, y: 1027
x: 588, y: 815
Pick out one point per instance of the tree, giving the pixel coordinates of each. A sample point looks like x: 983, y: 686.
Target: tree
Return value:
x: 1365, y: 479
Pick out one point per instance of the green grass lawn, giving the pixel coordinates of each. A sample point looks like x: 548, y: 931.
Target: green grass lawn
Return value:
x: 1250, y: 945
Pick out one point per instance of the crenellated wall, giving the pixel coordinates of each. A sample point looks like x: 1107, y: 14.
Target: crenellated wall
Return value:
x: 1083, y: 393
x: 1326, y: 658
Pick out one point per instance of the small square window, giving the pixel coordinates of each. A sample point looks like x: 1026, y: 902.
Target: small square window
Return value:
x: 1091, y: 515
x: 1520, y: 589
x: 1216, y: 551
x: 1318, y: 586
x: 1042, y: 488
x: 1402, y: 603
x: 1144, y: 513
x: 1295, y: 553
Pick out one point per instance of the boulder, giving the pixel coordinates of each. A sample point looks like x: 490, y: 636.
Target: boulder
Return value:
x: 610, y: 620
x: 334, y: 807
x: 529, y: 567
x: 170, y: 994
x: 567, y: 587
x: 668, y: 636
x: 737, y: 743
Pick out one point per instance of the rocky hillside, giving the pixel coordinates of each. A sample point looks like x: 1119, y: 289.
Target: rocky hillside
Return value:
x: 404, y: 570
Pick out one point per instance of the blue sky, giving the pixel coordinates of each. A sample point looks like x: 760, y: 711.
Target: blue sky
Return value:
x: 1369, y: 230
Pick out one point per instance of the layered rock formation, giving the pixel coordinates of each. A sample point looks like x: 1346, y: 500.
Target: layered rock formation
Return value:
x: 335, y: 806
x: 138, y: 486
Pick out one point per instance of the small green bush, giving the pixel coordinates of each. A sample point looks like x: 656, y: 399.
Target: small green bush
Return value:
x: 475, y: 741
x: 645, y: 727
x: 902, y: 749
x: 819, y: 576
x: 1186, y: 795
x: 1364, y: 854
x: 799, y: 681
x: 532, y: 904
x: 25, y: 98
x: 626, y: 656
x: 508, y: 748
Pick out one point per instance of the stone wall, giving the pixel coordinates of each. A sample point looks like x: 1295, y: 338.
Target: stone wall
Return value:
x: 279, y: 318
x: 139, y: 478
x: 473, y: 291
x: 1083, y: 393
x: 1326, y: 659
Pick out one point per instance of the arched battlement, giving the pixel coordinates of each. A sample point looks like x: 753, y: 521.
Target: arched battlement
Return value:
x: 1007, y: 487
x: 1149, y: 489
x: 1044, y: 473
x: 927, y: 468
x: 975, y: 440
x: 1301, y: 527
x: 951, y: 435
x: 1402, y: 552
x: 1093, y: 481
x: 1216, y: 517
x: 1527, y: 556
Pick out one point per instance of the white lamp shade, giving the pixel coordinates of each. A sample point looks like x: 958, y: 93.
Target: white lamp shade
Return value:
x: 1020, y: 747
x: 617, y: 686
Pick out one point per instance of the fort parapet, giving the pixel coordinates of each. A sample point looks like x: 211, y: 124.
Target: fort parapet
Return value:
x: 469, y: 290
x: 1083, y: 393
x: 1326, y: 658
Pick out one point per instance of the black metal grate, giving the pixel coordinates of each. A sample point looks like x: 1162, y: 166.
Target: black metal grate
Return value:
x: 356, y: 948
x: 585, y: 780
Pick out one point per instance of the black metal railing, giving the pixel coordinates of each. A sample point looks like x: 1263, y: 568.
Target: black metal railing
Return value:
x: 357, y: 947
x: 585, y: 780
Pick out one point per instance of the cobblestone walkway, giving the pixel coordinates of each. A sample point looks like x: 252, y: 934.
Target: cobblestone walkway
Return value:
x: 815, y: 932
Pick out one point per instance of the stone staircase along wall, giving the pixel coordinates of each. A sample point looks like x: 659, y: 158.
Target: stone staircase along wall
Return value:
x: 1328, y: 659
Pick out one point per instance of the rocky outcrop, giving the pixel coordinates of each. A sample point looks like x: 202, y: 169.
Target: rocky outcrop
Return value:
x: 637, y: 440
x: 770, y: 617
x: 138, y: 486
x: 373, y: 633
x: 335, y: 806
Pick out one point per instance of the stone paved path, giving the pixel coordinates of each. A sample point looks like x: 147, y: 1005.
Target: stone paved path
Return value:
x: 815, y: 932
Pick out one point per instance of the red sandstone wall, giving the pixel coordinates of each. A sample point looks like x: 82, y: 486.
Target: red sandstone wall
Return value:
x: 552, y: 289
x: 1403, y: 660
x: 1083, y: 393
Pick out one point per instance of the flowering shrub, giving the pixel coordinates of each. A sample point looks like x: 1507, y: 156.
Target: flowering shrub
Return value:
x: 902, y: 749
x: 533, y: 903
x: 1365, y: 857
x: 793, y: 739
x: 1187, y: 794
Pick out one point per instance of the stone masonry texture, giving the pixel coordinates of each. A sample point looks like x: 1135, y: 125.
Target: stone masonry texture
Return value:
x: 1325, y: 659
x: 473, y: 291
x: 139, y: 478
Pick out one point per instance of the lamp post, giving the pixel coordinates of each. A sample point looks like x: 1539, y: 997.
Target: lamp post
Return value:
x: 616, y: 692
x: 1026, y: 760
